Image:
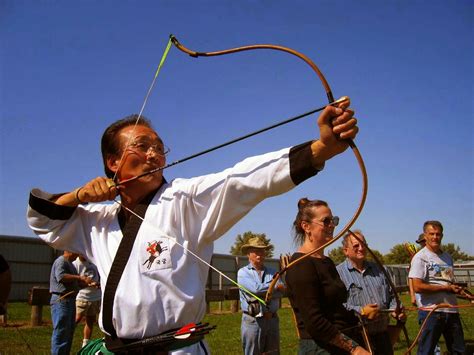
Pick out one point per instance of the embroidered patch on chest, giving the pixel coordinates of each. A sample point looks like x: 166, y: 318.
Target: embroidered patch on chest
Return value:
x: 155, y: 255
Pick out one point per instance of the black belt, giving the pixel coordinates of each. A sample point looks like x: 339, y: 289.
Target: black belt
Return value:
x: 158, y: 344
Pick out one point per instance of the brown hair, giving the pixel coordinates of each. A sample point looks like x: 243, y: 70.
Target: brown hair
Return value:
x: 305, y: 214
x: 434, y: 224
x: 110, y: 145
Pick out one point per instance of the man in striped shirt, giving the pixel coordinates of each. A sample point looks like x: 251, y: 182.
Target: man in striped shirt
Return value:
x: 368, y: 292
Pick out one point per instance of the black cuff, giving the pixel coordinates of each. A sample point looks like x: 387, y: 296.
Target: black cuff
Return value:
x: 40, y: 202
x: 301, y: 163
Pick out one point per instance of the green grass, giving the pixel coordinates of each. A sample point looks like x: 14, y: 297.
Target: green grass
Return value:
x: 19, y: 338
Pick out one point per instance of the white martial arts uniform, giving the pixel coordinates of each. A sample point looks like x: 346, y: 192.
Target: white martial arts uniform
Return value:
x: 163, y: 286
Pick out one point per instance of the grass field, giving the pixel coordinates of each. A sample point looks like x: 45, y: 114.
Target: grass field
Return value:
x: 19, y: 338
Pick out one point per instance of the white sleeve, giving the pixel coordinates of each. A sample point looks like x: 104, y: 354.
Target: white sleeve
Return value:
x: 64, y: 227
x: 417, y: 267
x: 212, y: 204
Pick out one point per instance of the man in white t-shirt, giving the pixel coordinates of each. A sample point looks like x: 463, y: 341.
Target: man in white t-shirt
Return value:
x: 433, y: 279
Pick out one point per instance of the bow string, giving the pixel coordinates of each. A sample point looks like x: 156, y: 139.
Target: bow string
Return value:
x: 330, y: 97
x: 331, y: 101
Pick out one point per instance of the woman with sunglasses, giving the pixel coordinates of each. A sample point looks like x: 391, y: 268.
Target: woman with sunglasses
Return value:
x: 316, y: 291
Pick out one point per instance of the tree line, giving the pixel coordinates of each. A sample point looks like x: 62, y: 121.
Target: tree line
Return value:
x: 398, y: 254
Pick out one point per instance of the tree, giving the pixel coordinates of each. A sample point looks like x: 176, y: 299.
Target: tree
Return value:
x: 397, y: 255
x: 378, y: 255
x: 455, y: 252
x: 244, y: 238
x: 337, y: 255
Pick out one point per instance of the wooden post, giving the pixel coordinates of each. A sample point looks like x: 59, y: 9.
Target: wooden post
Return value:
x: 208, y: 288
x: 234, y: 306
x: 37, y: 298
x: 234, y: 296
x: 3, y: 319
x: 36, y: 315
x: 220, y: 289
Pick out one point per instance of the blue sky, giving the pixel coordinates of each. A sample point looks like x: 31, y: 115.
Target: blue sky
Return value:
x: 70, y: 68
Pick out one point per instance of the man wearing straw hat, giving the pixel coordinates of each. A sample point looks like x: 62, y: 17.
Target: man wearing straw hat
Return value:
x: 260, y: 328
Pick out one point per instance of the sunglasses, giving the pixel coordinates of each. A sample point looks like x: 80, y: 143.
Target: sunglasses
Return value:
x: 328, y: 221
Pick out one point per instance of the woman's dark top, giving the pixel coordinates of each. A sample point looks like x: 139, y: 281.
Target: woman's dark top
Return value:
x: 317, y: 294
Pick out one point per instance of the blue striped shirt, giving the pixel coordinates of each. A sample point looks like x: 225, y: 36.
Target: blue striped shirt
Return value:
x: 369, y: 286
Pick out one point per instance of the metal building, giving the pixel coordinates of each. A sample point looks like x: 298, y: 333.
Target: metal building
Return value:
x: 30, y: 261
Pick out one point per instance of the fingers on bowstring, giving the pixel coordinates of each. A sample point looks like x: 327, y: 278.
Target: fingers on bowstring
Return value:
x: 112, y: 189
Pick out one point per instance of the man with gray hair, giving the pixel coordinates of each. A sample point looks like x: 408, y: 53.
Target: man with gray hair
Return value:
x: 368, y: 291
x: 432, y: 272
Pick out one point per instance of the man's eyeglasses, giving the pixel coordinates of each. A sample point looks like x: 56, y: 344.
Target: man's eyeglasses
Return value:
x: 356, y: 247
x: 328, y: 221
x: 145, y: 147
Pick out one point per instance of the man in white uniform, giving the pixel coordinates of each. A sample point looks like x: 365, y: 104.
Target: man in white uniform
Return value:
x: 154, y: 285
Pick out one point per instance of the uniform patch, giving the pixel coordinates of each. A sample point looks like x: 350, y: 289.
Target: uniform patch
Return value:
x: 157, y: 255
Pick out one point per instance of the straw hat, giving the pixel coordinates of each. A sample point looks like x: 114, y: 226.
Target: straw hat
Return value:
x: 255, y: 242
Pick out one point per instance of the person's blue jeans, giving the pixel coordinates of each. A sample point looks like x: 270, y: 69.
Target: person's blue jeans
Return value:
x: 437, y: 349
x: 260, y: 335
x: 63, y: 314
x: 447, y: 324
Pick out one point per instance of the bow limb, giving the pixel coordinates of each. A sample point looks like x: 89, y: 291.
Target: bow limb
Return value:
x: 398, y: 308
x: 339, y: 235
x: 330, y: 97
x: 258, y: 46
x: 430, y: 313
x: 423, y: 325
x: 466, y: 294
x: 365, y: 334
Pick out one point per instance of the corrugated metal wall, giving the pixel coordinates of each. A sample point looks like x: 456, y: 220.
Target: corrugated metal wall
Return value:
x: 30, y: 261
